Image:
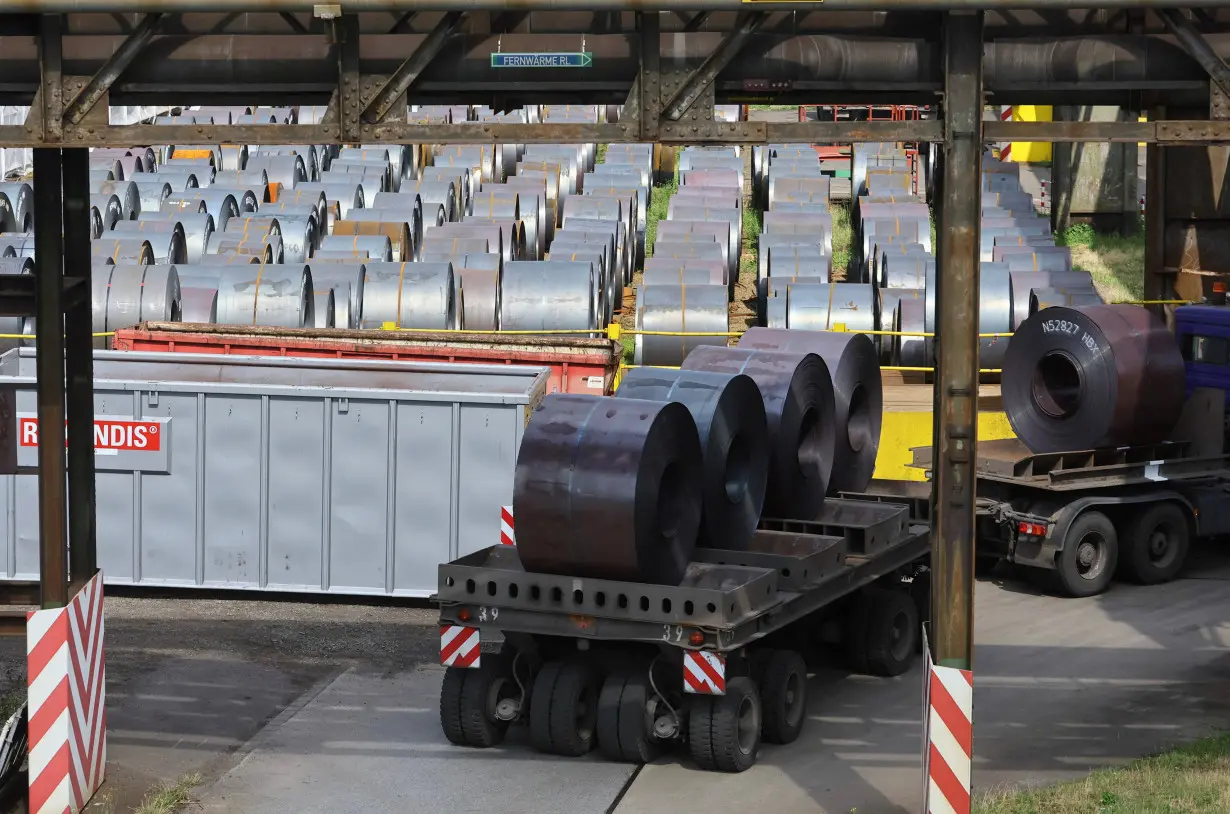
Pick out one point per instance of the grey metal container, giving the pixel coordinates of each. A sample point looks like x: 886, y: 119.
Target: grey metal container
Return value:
x: 334, y: 476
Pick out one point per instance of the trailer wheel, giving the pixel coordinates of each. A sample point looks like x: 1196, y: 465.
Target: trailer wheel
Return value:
x: 724, y: 730
x: 563, y: 709
x: 626, y: 714
x: 1157, y: 543
x: 468, y: 698
x: 881, y: 635
x: 783, y: 695
x: 1090, y: 554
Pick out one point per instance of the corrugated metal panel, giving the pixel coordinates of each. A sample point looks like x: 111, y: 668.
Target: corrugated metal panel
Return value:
x: 318, y: 476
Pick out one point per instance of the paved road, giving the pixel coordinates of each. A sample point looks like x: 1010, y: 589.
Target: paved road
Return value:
x: 1061, y: 686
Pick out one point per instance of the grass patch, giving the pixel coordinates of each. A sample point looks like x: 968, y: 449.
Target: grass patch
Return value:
x: 1193, y: 779
x: 1117, y: 263
x: 600, y: 153
x: 170, y: 797
x: 657, y: 210
x: 749, y: 261
x: 9, y: 702
x: 843, y: 238
x: 772, y: 107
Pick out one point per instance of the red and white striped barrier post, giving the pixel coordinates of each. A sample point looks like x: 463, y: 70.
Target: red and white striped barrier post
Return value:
x: 67, y: 702
x: 1005, y: 149
x: 508, y: 532
x: 948, y: 739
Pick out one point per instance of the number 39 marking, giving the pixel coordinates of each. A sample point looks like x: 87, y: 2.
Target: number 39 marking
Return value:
x: 672, y: 633
x: 482, y: 614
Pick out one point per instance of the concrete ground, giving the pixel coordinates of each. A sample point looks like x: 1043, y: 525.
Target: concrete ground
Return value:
x: 1061, y: 686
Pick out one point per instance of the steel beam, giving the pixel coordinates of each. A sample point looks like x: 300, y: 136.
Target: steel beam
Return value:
x: 101, y: 82
x: 956, y: 347
x: 412, y: 68
x: 1194, y: 43
x: 731, y: 45
x: 358, y: 6
x: 49, y: 368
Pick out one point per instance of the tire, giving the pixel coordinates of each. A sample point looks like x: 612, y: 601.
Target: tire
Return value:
x: 467, y: 703
x: 888, y: 633
x: 724, y: 730
x: 783, y: 697
x: 564, y: 709
x: 854, y: 633
x: 1090, y: 554
x: 1156, y: 544
x: 984, y: 565
x: 625, y: 719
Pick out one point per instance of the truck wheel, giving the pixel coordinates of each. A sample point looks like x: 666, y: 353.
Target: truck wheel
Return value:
x: 626, y: 713
x: 985, y: 564
x: 724, y: 730
x: 783, y: 696
x: 1090, y: 554
x: 892, y: 632
x: 1156, y: 545
x: 563, y: 709
x: 468, y: 699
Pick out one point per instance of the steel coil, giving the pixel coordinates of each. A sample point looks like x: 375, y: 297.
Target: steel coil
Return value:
x: 912, y: 349
x: 298, y: 233
x: 673, y: 231
x: 222, y: 204
x: 443, y: 243
x: 599, y: 231
x: 136, y: 294
x: 486, y: 262
x: 495, y: 234
x: 348, y: 196
x: 995, y: 304
x: 135, y: 250
x: 679, y: 250
x: 481, y: 297
x: 1042, y: 298
x: 591, y: 253
x: 195, y: 229
x: 126, y: 193
x: 648, y: 506
x: 733, y: 218
x: 858, y: 395
x: 772, y: 298
x: 683, y: 273
x: 1035, y: 258
x: 347, y: 281
x: 1023, y: 282
x: 905, y: 270
x: 888, y: 300
x: 20, y: 207
x: 264, y: 294
x: 110, y: 211
x: 376, y: 247
x: 734, y: 439
x: 798, y: 261
x: 182, y: 179
x: 1091, y: 377
x: 153, y: 193
x: 200, y: 305
x: 548, y: 296
x: 323, y: 315
x: 457, y: 178
x: 798, y: 399
x: 412, y: 295
x: 376, y: 223
x: 817, y: 225
x: 819, y: 307
x: 406, y: 206
x: 683, y: 309
x: 21, y: 244
x: 287, y: 170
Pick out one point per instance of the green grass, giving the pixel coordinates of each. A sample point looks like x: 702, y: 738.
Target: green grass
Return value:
x: 600, y: 153
x: 1192, y: 779
x: 657, y: 210
x: 752, y: 227
x: 1117, y: 263
x: 843, y: 237
x: 171, y: 797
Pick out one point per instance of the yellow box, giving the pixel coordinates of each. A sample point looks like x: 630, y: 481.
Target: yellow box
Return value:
x: 901, y: 432
x: 1028, y: 152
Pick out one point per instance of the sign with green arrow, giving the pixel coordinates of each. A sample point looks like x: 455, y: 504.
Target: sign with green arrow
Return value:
x: 567, y: 59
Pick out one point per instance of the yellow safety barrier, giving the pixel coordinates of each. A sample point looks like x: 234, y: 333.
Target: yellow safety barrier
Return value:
x: 32, y: 336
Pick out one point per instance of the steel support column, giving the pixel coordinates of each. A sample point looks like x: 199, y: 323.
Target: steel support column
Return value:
x: 49, y: 344
x: 111, y: 70
x: 747, y: 25
x: 956, y: 346
x: 410, y: 70
x: 1155, y: 287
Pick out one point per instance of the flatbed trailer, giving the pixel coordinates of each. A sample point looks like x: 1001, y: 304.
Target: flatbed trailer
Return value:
x: 1087, y: 515
x: 715, y: 662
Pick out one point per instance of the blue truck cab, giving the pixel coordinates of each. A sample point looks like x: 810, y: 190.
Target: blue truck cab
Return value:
x: 1203, y: 332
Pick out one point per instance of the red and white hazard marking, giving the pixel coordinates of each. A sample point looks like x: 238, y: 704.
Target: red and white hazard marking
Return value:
x: 67, y: 680
x: 508, y: 534
x: 1005, y: 149
x: 459, y: 646
x: 950, y: 739
x: 704, y: 673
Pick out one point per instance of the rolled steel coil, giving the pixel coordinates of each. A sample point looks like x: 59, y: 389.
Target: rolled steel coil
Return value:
x: 323, y: 315
x: 798, y: 261
x: 819, y: 307
x: 1035, y: 258
x: 888, y: 300
x: 568, y: 161
x: 591, y: 253
x: 133, y: 250
x: 184, y: 178
x: 773, y: 299
x: 412, y: 295
x: 683, y: 273
x: 153, y: 194
x: 223, y: 205
x: 533, y: 204
x: 733, y: 218
x: 884, y: 251
x: 486, y: 262
x: 346, y: 258
x: 628, y: 466
x: 497, y: 207
x: 200, y: 305
x: 1042, y: 298
x: 443, y: 243
x: 101, y: 176
x: 196, y: 229
x: 16, y: 207
x: 126, y: 193
x: 797, y: 392
x: 495, y: 235
x: 268, y: 247
x: 377, y: 223
x: 110, y: 211
x: 995, y: 304
x: 678, y: 250
x: 596, y: 230
x: 687, y: 231
x: 13, y: 326
x: 21, y: 244
x: 443, y: 193
x: 718, y: 178
x: 548, y: 296
x: 1023, y: 282
x: 349, y: 196
x: 233, y: 157
x: 287, y: 170
x: 1092, y: 377
x: 298, y: 233
x: 481, y: 297
x: 347, y: 280
x: 253, y: 225
x: 459, y: 178
x: 131, y: 166
x: 734, y: 438
x: 858, y: 395
x: 910, y: 319
x: 376, y: 247
x: 264, y: 294
x: 905, y: 270
x: 169, y: 244
x: 815, y: 225
x: 680, y: 309
x: 403, y: 158
x: 315, y: 159
x: 136, y: 294
x: 548, y: 176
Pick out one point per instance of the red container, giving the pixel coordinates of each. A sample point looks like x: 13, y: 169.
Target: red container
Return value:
x: 578, y: 364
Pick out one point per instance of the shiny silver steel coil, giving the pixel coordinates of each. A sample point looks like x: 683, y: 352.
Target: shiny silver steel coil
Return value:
x: 571, y: 168
x: 905, y: 270
x: 287, y: 170
x: 348, y: 196
x: 679, y: 274
x: 532, y: 198
x: 630, y: 467
x: 1035, y: 258
x: 995, y: 304
x: 596, y: 230
x: 128, y: 195
x: 797, y: 392
x: 264, y: 294
x: 443, y: 243
x: 298, y: 233
x: 873, y: 155
x: 233, y: 157
x: 136, y: 294
x: 685, y: 309
x: 673, y: 266
x: 1092, y: 377
x: 14, y: 326
x: 481, y: 295
x: 485, y: 262
x: 134, y: 250
x: 315, y: 160
x: 167, y: 239
x: 882, y: 251
x: 773, y: 298
x: 858, y: 394
x: 548, y: 296
x: 376, y: 155
x: 818, y: 225
x: 153, y: 194
x: 548, y: 177
x: 819, y: 307
x: 591, y: 253
x: 376, y: 247
x: 323, y: 315
x: 268, y: 247
x: 1023, y: 282
x: 21, y: 243
x: 412, y: 295
x: 407, y: 206
x: 223, y: 205
x: 196, y: 229
x: 1042, y: 298
x: 253, y: 225
x: 690, y: 231
x: 734, y: 438
x: 465, y: 172
x: 346, y: 258
x: 793, y: 260
x: 312, y: 207
x: 784, y: 187
x: 495, y: 205
x: 392, y: 225
x: 889, y: 298
x: 719, y: 178
x: 734, y: 221
x: 182, y: 179
x: 346, y: 280
x: 200, y: 305
x: 16, y: 207
x: 110, y: 211
x: 493, y: 233
x: 443, y: 193
x: 458, y: 178
x: 912, y: 350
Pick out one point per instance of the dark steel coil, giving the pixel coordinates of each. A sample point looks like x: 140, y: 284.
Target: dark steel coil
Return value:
x: 412, y: 295
x: 858, y: 395
x: 629, y: 468
x: 798, y: 399
x: 682, y: 309
x: 734, y: 439
x: 1091, y: 377
x: 347, y: 279
x: 16, y: 207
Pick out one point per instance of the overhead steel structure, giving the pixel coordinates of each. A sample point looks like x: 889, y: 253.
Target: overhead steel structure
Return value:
x: 666, y: 63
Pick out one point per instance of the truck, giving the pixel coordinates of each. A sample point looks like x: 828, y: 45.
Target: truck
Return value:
x: 716, y: 663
